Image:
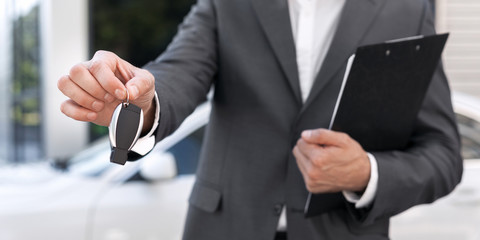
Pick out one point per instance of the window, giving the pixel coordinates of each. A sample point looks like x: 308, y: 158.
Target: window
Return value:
x: 187, y: 152
x: 20, y: 126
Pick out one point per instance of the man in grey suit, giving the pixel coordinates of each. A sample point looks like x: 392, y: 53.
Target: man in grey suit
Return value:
x: 276, y: 67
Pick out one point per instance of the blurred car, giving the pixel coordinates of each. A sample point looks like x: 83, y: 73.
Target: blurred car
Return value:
x: 456, y: 216
x: 95, y: 199
x: 147, y: 199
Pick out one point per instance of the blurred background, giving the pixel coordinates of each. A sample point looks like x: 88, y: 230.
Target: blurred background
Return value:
x: 41, y: 39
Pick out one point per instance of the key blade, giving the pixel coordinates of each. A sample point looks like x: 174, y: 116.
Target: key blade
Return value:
x: 119, y: 156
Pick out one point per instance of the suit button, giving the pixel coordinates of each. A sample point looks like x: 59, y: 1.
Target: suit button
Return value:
x: 278, y: 209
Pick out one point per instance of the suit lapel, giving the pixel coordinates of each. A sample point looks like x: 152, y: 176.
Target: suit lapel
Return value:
x: 355, y: 20
x: 274, y: 18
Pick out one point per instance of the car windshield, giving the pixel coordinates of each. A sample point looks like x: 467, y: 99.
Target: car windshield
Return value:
x: 95, y: 160
x: 187, y: 152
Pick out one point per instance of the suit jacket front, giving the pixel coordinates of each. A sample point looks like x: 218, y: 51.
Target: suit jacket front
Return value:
x: 245, y: 49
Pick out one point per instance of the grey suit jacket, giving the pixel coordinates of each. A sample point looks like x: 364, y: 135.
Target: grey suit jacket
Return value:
x: 247, y: 172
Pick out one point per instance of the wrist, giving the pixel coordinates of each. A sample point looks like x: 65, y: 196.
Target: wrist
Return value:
x: 365, y: 174
x: 149, y: 117
x: 365, y: 198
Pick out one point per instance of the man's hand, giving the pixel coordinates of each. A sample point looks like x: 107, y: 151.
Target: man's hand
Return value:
x: 331, y: 162
x: 96, y: 87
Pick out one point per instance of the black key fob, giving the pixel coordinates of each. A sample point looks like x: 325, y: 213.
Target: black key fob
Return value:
x: 124, y: 131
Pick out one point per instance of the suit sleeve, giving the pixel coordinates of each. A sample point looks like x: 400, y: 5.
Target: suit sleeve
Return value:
x: 431, y: 166
x: 184, y: 73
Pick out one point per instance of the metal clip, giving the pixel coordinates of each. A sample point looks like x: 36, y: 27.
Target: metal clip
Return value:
x: 125, y: 104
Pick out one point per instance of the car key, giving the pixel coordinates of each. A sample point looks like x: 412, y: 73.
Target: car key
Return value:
x: 124, y: 130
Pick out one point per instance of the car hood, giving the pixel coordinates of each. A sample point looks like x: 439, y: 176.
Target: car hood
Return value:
x: 39, y: 186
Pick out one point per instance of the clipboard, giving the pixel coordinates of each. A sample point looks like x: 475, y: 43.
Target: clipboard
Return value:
x: 381, y: 94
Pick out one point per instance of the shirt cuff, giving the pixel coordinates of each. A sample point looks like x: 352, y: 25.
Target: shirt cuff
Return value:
x: 370, y: 192
x: 146, y: 143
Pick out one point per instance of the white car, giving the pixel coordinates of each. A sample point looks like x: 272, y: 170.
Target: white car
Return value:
x: 147, y: 199
x: 456, y: 216
x: 94, y: 199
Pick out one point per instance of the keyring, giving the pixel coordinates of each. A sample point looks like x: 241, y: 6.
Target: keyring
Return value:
x: 125, y: 104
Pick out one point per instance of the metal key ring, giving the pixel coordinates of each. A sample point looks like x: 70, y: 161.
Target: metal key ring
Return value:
x: 125, y: 104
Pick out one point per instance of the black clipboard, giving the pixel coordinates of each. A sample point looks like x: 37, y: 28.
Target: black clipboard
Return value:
x: 381, y: 94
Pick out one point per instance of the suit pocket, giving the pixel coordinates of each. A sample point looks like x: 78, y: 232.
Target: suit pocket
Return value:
x: 205, y: 197
x: 379, y: 227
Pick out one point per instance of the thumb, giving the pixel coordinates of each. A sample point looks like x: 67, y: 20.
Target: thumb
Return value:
x: 323, y: 136
x: 142, y: 85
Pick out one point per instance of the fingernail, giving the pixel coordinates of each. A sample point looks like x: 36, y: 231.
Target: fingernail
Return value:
x: 307, y: 133
x: 133, y: 92
x: 91, y: 116
x: 120, y: 94
x: 109, y: 98
x: 97, y: 106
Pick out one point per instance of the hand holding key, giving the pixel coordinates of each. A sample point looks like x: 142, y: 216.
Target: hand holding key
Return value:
x: 96, y: 87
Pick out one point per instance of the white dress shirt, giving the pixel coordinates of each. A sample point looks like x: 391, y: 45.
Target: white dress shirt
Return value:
x: 314, y: 23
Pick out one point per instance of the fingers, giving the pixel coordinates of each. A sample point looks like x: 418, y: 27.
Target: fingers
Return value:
x: 79, y: 95
x: 315, y: 156
x: 105, y: 76
x: 104, y: 68
x: 331, y: 161
x: 314, y: 179
x: 326, y: 137
x: 142, y: 83
x: 302, y: 161
x: 81, y: 76
x: 313, y: 151
x: 97, y: 86
x: 305, y: 167
x: 77, y: 112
